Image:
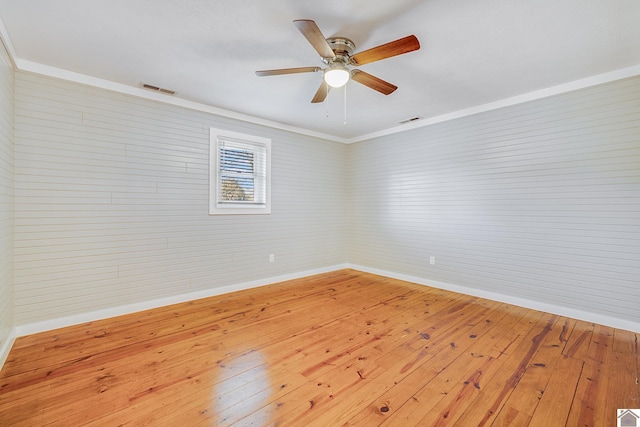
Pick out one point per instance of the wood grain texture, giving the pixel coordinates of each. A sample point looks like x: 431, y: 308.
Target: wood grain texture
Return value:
x: 397, y: 47
x: 342, y: 348
x: 373, y: 82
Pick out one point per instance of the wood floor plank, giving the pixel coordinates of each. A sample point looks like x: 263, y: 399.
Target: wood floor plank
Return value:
x: 384, y: 378
x: 557, y: 399
x: 341, y: 348
x: 397, y: 389
x: 345, y: 384
x: 278, y: 293
x: 493, y: 397
x: 638, y: 368
x: 622, y: 364
x: 446, y: 396
x: 145, y: 327
x: 511, y: 418
x: 330, y: 384
x: 448, y: 411
x: 160, y: 342
x: 577, y: 345
x: 533, y: 384
x: 589, y: 405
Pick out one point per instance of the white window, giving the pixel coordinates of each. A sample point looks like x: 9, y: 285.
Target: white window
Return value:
x: 239, y: 173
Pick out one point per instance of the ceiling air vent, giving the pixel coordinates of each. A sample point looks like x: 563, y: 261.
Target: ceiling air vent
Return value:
x: 158, y: 89
x: 412, y: 119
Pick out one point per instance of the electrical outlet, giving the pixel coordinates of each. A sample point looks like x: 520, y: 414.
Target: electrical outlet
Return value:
x: 272, y: 258
x: 432, y: 260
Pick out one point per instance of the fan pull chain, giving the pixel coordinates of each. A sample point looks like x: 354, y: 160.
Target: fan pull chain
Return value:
x: 326, y: 104
x: 345, y: 106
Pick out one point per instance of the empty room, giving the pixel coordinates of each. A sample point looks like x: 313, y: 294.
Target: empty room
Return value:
x: 339, y: 213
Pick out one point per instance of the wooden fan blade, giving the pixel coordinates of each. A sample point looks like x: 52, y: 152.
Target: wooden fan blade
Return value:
x: 321, y: 93
x: 397, y: 47
x: 312, y: 33
x: 263, y: 73
x: 373, y: 82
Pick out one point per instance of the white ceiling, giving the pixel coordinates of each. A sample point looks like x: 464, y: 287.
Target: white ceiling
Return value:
x: 473, y: 52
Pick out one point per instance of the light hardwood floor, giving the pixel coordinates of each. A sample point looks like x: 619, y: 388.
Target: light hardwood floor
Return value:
x: 343, y: 348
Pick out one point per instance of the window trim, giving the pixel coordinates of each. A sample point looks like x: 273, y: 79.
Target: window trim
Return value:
x: 216, y: 207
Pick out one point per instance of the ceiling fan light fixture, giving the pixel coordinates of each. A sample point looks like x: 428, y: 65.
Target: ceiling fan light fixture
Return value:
x: 337, y: 75
x: 337, y: 52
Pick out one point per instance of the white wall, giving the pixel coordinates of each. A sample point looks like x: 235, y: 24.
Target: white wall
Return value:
x: 539, y: 201
x: 6, y: 203
x: 111, y: 203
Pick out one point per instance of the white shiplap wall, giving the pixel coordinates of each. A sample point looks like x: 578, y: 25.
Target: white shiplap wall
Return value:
x: 539, y: 201
x: 112, y: 203
x: 6, y: 203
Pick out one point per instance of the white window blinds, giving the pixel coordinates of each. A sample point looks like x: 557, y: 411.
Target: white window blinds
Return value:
x: 242, y: 175
x: 241, y: 169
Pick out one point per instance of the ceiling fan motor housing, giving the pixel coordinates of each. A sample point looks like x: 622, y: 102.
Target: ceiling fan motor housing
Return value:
x: 342, y: 47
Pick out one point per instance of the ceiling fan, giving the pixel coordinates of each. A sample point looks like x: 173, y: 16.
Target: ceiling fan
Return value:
x: 337, y: 53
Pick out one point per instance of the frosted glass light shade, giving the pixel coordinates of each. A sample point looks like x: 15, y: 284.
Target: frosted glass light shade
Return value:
x: 337, y: 76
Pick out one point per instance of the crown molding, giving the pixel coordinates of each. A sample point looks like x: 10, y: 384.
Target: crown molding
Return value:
x: 519, y: 99
x: 34, y: 67
x: 49, y: 71
x: 6, y: 42
x: 46, y: 70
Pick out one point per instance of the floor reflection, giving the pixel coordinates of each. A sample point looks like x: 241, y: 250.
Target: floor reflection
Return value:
x: 244, y: 388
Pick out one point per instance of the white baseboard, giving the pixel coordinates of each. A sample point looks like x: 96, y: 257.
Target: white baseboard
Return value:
x: 510, y: 299
x: 92, y: 316
x: 6, y: 346
x: 47, y: 325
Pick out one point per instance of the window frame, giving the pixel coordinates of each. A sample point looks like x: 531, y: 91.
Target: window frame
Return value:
x: 262, y: 174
